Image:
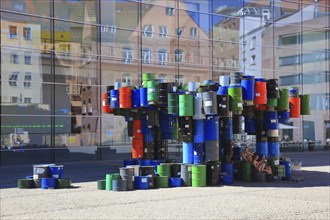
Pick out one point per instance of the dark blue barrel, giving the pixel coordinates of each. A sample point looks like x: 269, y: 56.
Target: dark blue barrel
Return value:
x: 227, y: 168
x: 48, y: 183
x: 143, y: 97
x: 114, y: 98
x: 155, y: 163
x: 248, y: 87
x: 228, y: 133
x: 141, y: 182
x: 227, y: 179
x: 262, y: 149
x: 274, y: 149
x: 139, y: 162
x: 128, y: 162
x: 271, y: 120
x: 136, y: 98
x: 147, y: 162
x: 187, y: 152
x: 212, y: 127
x: 287, y: 165
x: 148, y: 138
x: 250, y: 125
x: 165, y: 125
x: 283, y: 116
x: 56, y: 171
x: 223, y: 90
x: 237, y: 153
x: 175, y: 182
x: 198, y: 153
x: 199, y: 135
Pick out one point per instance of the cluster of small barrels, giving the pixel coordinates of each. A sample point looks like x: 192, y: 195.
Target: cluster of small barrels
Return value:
x: 45, y: 176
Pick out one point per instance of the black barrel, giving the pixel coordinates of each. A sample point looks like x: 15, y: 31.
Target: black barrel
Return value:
x: 213, y: 87
x: 272, y: 89
x: 150, y: 172
x: 260, y: 120
x: 258, y: 176
x: 248, y: 111
x: 127, y: 173
x: 186, y: 129
x: 238, y: 124
x: 149, y: 150
x: 186, y: 174
x: 119, y: 185
x: 164, y: 89
x: 130, y: 128
x: 152, y: 117
x: 213, y: 170
x: 175, y: 170
x: 223, y: 105
x: 212, y: 150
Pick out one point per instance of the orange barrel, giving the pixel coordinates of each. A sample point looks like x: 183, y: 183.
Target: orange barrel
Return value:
x: 260, y: 94
x: 260, y: 107
x: 137, y: 149
x: 137, y: 129
x: 105, y: 103
x: 294, y: 107
x: 125, y: 97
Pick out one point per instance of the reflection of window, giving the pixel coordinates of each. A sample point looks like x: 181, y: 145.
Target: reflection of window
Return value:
x: 27, y: 33
x: 179, y: 79
x: 163, y: 31
x: 289, y: 60
x: 13, y: 79
x: 178, y: 56
x: 169, y: 11
x: 14, y: 58
x: 162, y: 57
x: 193, y: 32
x: 27, y: 100
x: 27, y: 59
x: 127, y: 55
x: 127, y: 79
x: 290, y: 39
x: 162, y: 77
x: 147, y: 30
x: 27, y: 80
x: 12, y: 32
x: 253, y: 43
x: 253, y: 60
x: 14, y: 99
x: 146, y: 56
x: 179, y: 32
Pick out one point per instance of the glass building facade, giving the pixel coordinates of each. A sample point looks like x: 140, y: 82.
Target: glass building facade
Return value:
x: 58, y: 56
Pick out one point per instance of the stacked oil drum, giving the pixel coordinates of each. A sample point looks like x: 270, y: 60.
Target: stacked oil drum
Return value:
x: 45, y: 176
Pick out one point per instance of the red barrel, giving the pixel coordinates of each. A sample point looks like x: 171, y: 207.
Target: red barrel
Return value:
x: 294, y: 103
x: 260, y: 107
x: 125, y: 97
x: 137, y: 129
x: 260, y: 94
x: 137, y: 149
x: 105, y: 103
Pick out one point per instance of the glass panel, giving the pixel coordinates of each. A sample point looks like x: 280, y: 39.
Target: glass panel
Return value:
x: 38, y: 7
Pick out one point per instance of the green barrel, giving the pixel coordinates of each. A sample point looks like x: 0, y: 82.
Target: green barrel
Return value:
x: 305, y: 108
x: 109, y: 178
x: 272, y: 102
x: 173, y: 103
x: 164, y: 169
x: 246, y: 171
x: 101, y: 184
x: 281, y: 171
x: 176, y: 133
x: 283, y: 101
x: 25, y: 183
x: 186, y: 105
x: 63, y: 183
x: 161, y: 181
x: 198, y: 175
x: 236, y: 99
x: 148, y: 76
x: 153, y: 93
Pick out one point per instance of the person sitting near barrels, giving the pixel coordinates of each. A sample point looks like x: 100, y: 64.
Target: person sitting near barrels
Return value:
x: 246, y: 155
x: 261, y: 165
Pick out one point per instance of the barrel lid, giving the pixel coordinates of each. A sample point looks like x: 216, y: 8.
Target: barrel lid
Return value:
x: 248, y: 77
x: 260, y: 80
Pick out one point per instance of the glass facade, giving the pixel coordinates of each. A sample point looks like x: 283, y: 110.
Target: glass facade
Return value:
x: 57, y: 57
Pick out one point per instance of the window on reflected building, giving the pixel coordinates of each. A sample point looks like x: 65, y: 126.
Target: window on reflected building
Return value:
x: 193, y: 32
x: 27, y: 59
x: 179, y: 32
x: 12, y: 32
x: 169, y: 11
x: 27, y: 100
x: 13, y: 78
x: 179, y: 79
x: 127, y: 79
x: 162, y: 57
x: 14, y: 99
x: 127, y: 55
x: 163, y: 31
x: 148, y: 30
x: 27, y: 33
x: 253, y: 60
x: 27, y: 80
x: 14, y: 58
x: 146, y: 56
x: 162, y: 77
x: 178, y: 56
x: 253, y: 43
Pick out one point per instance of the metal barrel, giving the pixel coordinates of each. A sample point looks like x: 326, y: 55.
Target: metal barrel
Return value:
x: 136, y: 169
x: 213, y: 170
x: 274, y: 149
x: 175, y: 182
x: 25, y: 183
x: 294, y: 107
x: 250, y: 126
x: 223, y: 105
x: 109, y: 178
x: 260, y: 96
x: 125, y: 97
x: 173, y: 103
x: 41, y: 171
x: 161, y: 181
x: 164, y: 90
x: 211, y: 150
x: 175, y: 169
x: 198, y: 153
x: 101, y: 184
x: 186, y: 105
x: 224, y: 80
x: 262, y: 149
x: 187, y: 152
x: 235, y: 78
x: 63, y: 183
x: 283, y: 101
x: 199, y: 131
x: 48, y: 183
x: 198, y: 106
x: 246, y: 171
x: 186, y: 129
x: 186, y: 174
x: 272, y: 89
x: 198, y: 175
x: 212, y: 125
x: 143, y: 97
x: 153, y: 92
x: 237, y: 124
x: 127, y: 173
x: 142, y: 182
x: 117, y: 85
x: 305, y: 105
x: 271, y: 120
x: 248, y: 87
x: 136, y: 98
x: 192, y: 86
x: 210, y: 105
x: 119, y: 185
x: 164, y: 169
x: 235, y: 98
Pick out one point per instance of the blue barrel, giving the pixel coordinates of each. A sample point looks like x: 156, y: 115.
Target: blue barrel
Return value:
x: 114, y: 98
x: 143, y: 97
x: 223, y: 90
x: 148, y: 138
x: 250, y: 125
x: 248, y: 87
x: 287, y: 165
x: 271, y: 120
x: 139, y: 162
x: 147, y: 162
x: 228, y: 133
x: 128, y: 162
x: 198, y: 153
x: 155, y: 163
x: 141, y: 182
x: 227, y: 168
x: 262, y: 149
x: 212, y: 127
x: 56, y: 171
x: 227, y: 179
x: 175, y: 182
x: 166, y: 125
x: 284, y: 117
x: 199, y: 135
x: 48, y: 183
x: 237, y: 153
x: 274, y: 149
x: 187, y: 152
x: 136, y: 98
x: 192, y: 86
